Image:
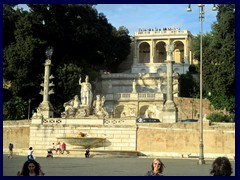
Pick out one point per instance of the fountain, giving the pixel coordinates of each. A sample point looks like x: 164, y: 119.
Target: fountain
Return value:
x: 85, y: 142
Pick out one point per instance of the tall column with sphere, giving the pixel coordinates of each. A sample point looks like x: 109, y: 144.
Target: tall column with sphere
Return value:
x: 169, y: 109
x: 46, y: 107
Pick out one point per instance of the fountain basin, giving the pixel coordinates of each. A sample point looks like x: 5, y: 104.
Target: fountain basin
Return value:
x: 87, y: 142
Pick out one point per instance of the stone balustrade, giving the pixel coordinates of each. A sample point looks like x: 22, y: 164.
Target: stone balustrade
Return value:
x: 162, y: 32
x: 85, y: 121
x: 134, y: 96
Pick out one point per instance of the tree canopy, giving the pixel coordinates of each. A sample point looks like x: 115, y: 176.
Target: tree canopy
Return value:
x: 84, y: 43
x: 219, y: 59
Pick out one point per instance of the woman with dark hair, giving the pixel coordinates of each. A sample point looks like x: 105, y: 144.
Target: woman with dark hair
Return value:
x: 31, y: 168
x: 221, y: 166
x: 157, y: 168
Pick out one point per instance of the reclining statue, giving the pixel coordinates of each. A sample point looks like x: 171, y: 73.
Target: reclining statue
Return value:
x: 72, y: 106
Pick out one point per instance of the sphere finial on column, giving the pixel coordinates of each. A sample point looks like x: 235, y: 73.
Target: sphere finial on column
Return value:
x: 49, y: 52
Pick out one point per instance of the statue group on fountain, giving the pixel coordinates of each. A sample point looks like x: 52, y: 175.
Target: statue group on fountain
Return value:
x: 98, y: 106
x: 82, y: 108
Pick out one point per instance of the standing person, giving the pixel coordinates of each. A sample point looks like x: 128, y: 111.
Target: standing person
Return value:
x: 31, y: 168
x: 63, y: 147
x: 58, y: 148
x: 10, y: 147
x: 157, y: 168
x: 87, y: 153
x: 221, y: 166
x: 30, y: 154
x: 53, y: 147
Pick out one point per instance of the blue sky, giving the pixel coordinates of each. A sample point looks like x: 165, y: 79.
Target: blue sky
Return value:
x: 135, y: 16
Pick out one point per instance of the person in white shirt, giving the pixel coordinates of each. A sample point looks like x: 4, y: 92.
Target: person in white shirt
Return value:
x: 30, y: 152
x: 58, y: 148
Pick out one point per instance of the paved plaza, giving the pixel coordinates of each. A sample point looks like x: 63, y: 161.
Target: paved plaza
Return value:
x: 109, y: 166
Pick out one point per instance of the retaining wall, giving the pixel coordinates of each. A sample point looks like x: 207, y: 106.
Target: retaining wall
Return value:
x: 173, y: 139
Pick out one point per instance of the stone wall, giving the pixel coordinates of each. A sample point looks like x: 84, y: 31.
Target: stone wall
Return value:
x: 17, y: 133
x: 117, y: 138
x: 163, y: 139
x: 189, y: 107
x: 179, y: 139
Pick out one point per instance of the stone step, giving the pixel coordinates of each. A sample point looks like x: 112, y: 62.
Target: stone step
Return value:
x: 81, y: 153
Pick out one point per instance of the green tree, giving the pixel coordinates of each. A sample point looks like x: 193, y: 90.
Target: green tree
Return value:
x: 189, y: 87
x: 18, y: 108
x: 9, y: 18
x: 206, y: 39
x: 219, y: 60
x: 67, y: 78
x: 82, y: 38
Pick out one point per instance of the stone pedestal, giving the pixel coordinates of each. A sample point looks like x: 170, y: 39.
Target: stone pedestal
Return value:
x: 37, y: 120
x: 46, y: 109
x: 169, y: 112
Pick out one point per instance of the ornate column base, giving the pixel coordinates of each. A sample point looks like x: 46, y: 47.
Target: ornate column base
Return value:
x: 169, y: 112
x: 46, y: 109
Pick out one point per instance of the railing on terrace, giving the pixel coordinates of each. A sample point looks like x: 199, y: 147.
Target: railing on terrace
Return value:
x: 146, y: 95
x: 83, y: 121
x: 135, y: 96
x: 162, y: 32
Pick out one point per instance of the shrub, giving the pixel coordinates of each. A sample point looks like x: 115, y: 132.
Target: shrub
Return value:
x: 219, y: 117
x: 15, y: 108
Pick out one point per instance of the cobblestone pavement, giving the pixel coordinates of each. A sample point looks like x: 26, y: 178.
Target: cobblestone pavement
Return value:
x: 66, y: 166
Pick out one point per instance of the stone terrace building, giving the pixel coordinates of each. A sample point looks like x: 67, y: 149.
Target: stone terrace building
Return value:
x: 141, y: 90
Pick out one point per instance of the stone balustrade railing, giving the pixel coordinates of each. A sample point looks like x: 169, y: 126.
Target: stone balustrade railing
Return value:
x: 134, y: 96
x: 86, y: 121
x: 162, y: 32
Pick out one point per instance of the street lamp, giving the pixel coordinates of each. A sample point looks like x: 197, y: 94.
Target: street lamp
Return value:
x: 201, y: 18
x: 29, y: 104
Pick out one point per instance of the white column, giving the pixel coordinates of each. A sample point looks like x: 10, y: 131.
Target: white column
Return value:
x: 135, y: 52
x: 46, y: 80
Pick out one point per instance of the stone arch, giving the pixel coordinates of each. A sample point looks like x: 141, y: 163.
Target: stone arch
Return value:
x: 142, y: 110
x: 118, y: 111
x: 161, y: 54
x: 144, y: 52
x: 178, y: 56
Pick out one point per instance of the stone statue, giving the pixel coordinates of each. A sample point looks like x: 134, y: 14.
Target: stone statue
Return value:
x: 170, y: 48
x: 159, y: 85
x: 129, y: 110
x: 38, y: 113
x: 134, y: 86
x: 98, y: 105
x: 152, y: 112
x: 72, y: 106
x: 103, y: 101
x: 86, y: 92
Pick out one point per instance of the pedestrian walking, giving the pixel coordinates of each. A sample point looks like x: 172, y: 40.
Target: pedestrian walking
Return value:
x: 53, y: 147
x: 87, y: 153
x: 10, y: 154
x: 58, y: 148
x: 30, y: 154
